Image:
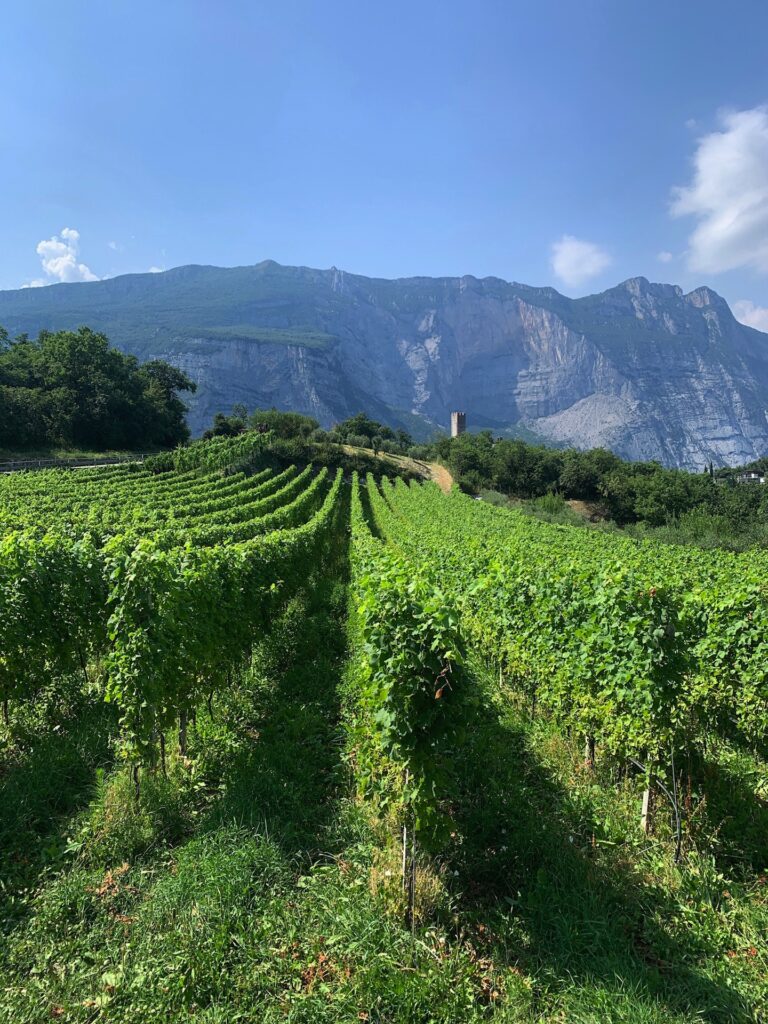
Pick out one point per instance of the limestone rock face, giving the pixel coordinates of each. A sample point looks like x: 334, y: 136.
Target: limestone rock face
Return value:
x: 642, y: 368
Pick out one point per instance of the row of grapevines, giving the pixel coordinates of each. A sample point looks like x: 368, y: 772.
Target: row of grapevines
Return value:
x: 50, y: 591
x: 60, y: 501
x: 182, y: 618
x: 51, y: 491
x: 624, y: 642
x: 409, y: 682
x: 218, y: 453
x: 164, y: 510
x: 99, y: 588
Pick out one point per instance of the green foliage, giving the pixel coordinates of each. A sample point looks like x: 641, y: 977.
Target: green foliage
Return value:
x: 225, y: 426
x: 334, y: 456
x: 552, y: 508
x: 411, y: 683
x: 177, y: 588
x: 303, y: 337
x: 70, y: 388
x: 283, y: 424
x: 510, y: 466
x: 224, y: 452
x: 551, y: 504
x: 184, y: 617
x: 363, y: 432
x: 689, y: 506
x: 638, y: 645
x: 169, y: 601
x: 248, y: 883
x: 279, y: 424
x: 52, y: 589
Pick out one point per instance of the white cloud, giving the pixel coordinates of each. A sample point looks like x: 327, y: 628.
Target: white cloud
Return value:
x: 728, y: 195
x: 575, y: 261
x: 114, y: 246
x: 156, y: 270
x: 748, y: 313
x: 59, y: 257
x: 664, y: 256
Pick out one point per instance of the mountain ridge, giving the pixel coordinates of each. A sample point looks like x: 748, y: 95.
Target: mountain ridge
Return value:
x: 642, y: 368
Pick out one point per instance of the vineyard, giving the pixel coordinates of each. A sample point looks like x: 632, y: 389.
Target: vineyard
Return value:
x: 282, y: 742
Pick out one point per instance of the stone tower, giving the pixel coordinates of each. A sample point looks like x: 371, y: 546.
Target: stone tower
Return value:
x: 458, y: 423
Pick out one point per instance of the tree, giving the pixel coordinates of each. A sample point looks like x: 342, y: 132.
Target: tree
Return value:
x: 362, y: 425
x: 283, y: 424
x: 72, y: 388
x: 225, y: 426
x: 358, y: 441
x: 582, y: 472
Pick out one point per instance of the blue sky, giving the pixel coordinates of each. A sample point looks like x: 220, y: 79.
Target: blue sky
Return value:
x: 541, y: 142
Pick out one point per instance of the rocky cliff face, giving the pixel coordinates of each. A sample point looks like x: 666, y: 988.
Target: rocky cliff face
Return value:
x: 642, y: 369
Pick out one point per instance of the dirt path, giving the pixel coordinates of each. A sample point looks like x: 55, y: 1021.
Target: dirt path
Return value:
x: 592, y: 511
x: 441, y: 476
x: 428, y: 470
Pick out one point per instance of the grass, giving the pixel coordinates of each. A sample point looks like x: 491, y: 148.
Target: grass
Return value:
x: 252, y: 884
x: 602, y: 921
x: 13, y: 455
x: 301, y: 336
x: 48, y: 766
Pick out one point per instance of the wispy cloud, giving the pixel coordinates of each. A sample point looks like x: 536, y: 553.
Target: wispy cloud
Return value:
x: 728, y: 195
x: 664, y: 256
x: 156, y: 270
x: 576, y: 261
x: 60, y: 261
x: 750, y: 314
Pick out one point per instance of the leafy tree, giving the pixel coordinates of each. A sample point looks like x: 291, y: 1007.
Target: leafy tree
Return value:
x: 71, y: 388
x: 361, y: 425
x: 283, y: 424
x: 225, y: 426
x: 358, y: 441
x: 582, y: 472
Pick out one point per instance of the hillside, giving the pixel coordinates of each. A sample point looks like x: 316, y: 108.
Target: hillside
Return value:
x: 642, y: 368
x: 286, y: 743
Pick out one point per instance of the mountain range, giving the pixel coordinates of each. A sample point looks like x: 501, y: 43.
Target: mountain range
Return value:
x: 644, y: 369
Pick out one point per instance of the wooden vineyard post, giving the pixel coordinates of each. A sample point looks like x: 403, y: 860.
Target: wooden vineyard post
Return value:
x: 405, y: 856
x: 409, y: 868
x: 412, y: 884
x: 405, y: 840
x: 589, y: 752
x: 647, y: 806
x: 182, y: 733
